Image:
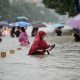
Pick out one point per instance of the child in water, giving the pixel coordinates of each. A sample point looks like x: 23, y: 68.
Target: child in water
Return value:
x: 23, y: 37
x: 39, y: 46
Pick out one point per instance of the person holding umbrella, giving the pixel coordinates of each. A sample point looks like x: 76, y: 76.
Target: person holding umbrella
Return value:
x: 76, y: 35
x: 12, y: 32
x: 58, y: 31
x: 40, y: 46
x: 17, y: 32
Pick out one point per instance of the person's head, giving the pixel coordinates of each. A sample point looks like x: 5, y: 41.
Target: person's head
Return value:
x: 41, y: 34
x: 22, y: 29
x: 1, y: 27
x: 13, y: 28
x: 59, y: 27
x: 76, y: 31
x: 18, y: 28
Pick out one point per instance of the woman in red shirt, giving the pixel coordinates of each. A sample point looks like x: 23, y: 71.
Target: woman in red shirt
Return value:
x: 39, y: 45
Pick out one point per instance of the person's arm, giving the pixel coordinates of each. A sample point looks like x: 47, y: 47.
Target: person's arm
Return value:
x: 20, y: 37
x: 40, y: 50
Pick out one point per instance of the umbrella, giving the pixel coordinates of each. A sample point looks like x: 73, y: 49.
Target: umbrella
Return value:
x: 22, y: 24
x: 12, y: 25
x: 22, y: 17
x: 74, y: 22
x: 58, y: 25
x: 4, y: 24
x: 38, y: 25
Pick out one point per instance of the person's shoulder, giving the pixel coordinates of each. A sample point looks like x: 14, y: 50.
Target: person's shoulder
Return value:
x: 37, y: 39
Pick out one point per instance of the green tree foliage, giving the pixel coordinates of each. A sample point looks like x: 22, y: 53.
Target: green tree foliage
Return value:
x: 31, y: 11
x: 4, y: 8
x: 61, y: 6
x: 10, y: 10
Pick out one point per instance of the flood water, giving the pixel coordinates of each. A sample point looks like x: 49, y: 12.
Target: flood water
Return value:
x: 63, y: 63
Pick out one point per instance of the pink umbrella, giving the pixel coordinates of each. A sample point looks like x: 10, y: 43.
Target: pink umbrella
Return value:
x: 74, y: 22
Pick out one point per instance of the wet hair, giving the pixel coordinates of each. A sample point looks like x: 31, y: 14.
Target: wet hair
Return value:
x: 59, y: 27
x: 22, y: 29
x: 18, y: 27
x: 13, y: 28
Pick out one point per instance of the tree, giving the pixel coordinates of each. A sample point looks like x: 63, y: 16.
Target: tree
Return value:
x: 4, y: 8
x: 61, y: 6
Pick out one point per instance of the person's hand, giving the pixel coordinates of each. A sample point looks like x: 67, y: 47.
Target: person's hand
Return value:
x: 47, y: 52
x: 51, y: 47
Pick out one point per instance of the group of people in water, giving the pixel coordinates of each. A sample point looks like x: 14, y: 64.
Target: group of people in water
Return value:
x: 15, y: 32
x: 39, y: 45
x: 21, y: 34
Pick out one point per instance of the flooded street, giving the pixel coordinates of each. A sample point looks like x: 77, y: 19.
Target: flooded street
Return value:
x: 21, y: 20
x: 62, y: 64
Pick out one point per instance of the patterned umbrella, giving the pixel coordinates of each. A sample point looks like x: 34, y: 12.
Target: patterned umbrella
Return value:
x: 38, y: 25
x: 23, y: 24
